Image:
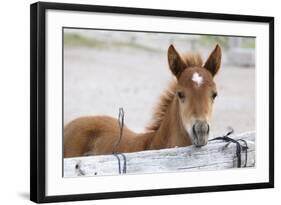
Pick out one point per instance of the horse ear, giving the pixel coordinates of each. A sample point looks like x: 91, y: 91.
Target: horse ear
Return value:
x: 214, y: 61
x: 176, y: 63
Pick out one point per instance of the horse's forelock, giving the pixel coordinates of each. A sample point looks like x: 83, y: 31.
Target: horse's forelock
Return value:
x: 192, y: 60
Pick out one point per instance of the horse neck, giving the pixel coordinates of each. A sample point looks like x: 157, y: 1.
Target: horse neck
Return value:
x: 171, y: 132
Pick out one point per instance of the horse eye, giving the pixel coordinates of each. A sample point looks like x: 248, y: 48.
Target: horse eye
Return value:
x: 180, y: 95
x: 215, y: 94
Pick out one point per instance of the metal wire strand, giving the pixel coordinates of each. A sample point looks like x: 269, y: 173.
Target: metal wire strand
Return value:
x: 114, y: 152
x: 239, y: 147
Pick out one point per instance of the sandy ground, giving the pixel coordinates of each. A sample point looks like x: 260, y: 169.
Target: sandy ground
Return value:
x: 98, y: 82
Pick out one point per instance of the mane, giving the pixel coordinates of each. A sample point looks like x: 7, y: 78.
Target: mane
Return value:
x: 191, y: 59
x: 164, y: 101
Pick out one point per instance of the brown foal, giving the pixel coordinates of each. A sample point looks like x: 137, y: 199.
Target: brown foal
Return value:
x: 181, y: 118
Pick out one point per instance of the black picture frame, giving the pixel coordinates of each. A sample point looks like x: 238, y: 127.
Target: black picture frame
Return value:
x: 38, y: 100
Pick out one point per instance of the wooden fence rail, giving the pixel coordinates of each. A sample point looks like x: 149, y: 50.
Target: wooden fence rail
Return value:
x: 214, y: 156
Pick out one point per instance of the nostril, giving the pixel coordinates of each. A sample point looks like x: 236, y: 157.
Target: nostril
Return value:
x: 208, y: 128
x: 194, y: 130
x: 205, y: 127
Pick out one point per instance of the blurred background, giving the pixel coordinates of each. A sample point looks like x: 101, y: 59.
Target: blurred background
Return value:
x: 105, y: 70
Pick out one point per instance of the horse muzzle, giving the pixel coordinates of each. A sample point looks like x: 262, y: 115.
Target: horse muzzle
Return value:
x: 200, y: 133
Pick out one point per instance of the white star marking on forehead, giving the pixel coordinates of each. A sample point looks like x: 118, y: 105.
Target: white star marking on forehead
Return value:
x: 198, y: 79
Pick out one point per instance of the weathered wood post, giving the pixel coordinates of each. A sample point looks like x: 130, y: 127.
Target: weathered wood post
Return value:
x: 215, y: 155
